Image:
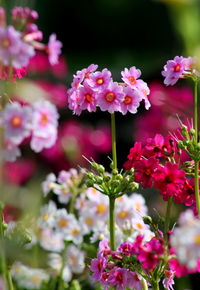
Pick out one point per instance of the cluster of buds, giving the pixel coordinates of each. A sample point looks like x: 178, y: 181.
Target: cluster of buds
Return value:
x: 190, y: 143
x: 115, y: 184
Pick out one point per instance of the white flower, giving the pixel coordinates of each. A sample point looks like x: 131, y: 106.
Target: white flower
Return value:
x: 186, y: 241
x: 51, y: 240
x: 49, y: 184
x: 75, y: 259
x: 47, y: 215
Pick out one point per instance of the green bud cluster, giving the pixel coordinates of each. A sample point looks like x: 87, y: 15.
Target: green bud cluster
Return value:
x: 113, y: 184
x: 189, y: 143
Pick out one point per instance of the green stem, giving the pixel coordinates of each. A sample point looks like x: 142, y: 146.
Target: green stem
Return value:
x: 144, y: 284
x: 196, y: 162
x: 112, y: 222
x: 9, y: 281
x: 71, y: 204
x: 114, y: 151
x: 196, y: 184
x: 196, y: 110
x: 112, y: 198
x: 60, y: 282
x: 155, y: 286
x: 2, y: 253
x: 167, y: 216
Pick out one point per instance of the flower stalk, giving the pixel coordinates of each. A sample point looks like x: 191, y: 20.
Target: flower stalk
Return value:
x: 112, y: 198
x: 167, y: 216
x: 196, y: 162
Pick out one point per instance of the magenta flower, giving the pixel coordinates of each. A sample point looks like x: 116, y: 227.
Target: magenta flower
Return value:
x: 144, y: 170
x: 110, y: 98
x: 174, y: 69
x: 135, y: 154
x: 169, y: 180
x: 130, y: 76
x: 54, y: 49
x: 99, y: 80
x: 87, y: 98
x: 97, y: 267
x: 17, y: 122
x: 13, y: 50
x: 132, y: 281
x: 126, y: 248
x: 117, y: 277
x: 150, y: 253
x: 131, y: 100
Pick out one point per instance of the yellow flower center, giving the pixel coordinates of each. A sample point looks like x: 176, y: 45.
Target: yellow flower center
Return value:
x: 89, y: 221
x: 123, y: 214
x: 99, y: 81
x: 132, y: 80
x: 127, y: 100
x: 197, y: 239
x: 101, y: 208
x: 62, y: 223
x: 110, y: 97
x: 88, y: 98
x: 44, y: 119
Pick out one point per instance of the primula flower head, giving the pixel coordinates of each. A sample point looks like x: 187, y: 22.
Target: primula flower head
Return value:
x: 54, y: 49
x: 17, y: 122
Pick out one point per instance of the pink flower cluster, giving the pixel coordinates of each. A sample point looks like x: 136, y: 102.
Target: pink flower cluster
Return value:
x: 115, y: 268
x: 178, y: 68
x: 153, y: 167
x: 38, y: 121
x: 91, y: 89
x: 109, y: 273
x: 19, y: 40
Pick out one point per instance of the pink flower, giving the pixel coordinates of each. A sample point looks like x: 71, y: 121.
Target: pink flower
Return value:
x: 126, y: 248
x: 130, y: 76
x: 117, y: 277
x: 87, y: 98
x: 99, y: 80
x: 54, y: 49
x: 17, y: 122
x: 150, y: 253
x: 144, y: 91
x: 131, y: 101
x: 13, y: 50
x: 173, y: 70
x: 110, y: 98
x: 169, y: 280
x: 132, y: 281
x: 45, y: 122
x: 97, y: 267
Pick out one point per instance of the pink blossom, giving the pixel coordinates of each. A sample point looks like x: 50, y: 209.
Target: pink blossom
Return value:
x: 54, y: 49
x: 110, y: 98
x: 169, y: 280
x: 16, y: 121
x: 132, y: 281
x: 149, y: 254
x: 131, y: 101
x: 144, y: 91
x: 97, y: 267
x: 173, y: 70
x: 45, y: 122
x: 126, y: 248
x: 130, y: 76
x: 87, y: 98
x: 13, y: 50
x: 100, y: 80
x: 118, y: 277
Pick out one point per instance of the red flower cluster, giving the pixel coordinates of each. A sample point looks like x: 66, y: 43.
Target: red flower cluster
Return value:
x: 154, y: 167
